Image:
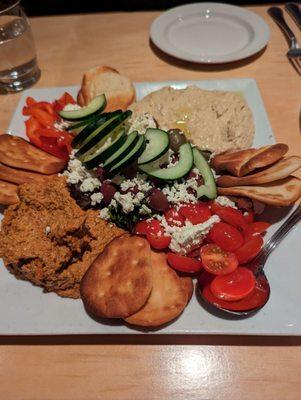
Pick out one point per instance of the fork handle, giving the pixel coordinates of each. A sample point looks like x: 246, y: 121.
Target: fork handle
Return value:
x: 281, y: 232
x: 277, y: 15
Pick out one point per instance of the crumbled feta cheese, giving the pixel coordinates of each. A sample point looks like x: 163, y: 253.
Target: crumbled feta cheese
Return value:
x: 47, y: 230
x: 224, y: 201
x: 96, y: 198
x: 139, y: 182
x: 61, y: 126
x: 184, y: 239
x: 89, y: 184
x: 76, y: 172
x: 71, y: 107
x: 129, y: 200
x: 144, y: 210
x: 141, y: 123
x: 105, y: 213
x: 178, y: 193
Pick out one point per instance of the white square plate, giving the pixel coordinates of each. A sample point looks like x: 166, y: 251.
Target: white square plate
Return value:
x: 25, y: 309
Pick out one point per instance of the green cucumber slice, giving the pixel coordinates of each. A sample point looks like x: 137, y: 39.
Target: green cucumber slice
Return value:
x: 95, y: 106
x: 182, y: 168
x: 157, y: 145
x: 130, y: 156
x: 102, y: 132
x: 100, y: 155
x: 92, y: 126
x: 122, y: 151
x: 209, y: 187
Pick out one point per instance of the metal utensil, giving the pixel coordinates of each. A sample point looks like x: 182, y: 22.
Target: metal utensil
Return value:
x: 294, y: 11
x: 258, y: 263
x: 294, y: 53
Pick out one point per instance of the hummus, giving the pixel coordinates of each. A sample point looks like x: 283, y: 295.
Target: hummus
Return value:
x: 49, y: 240
x: 213, y: 120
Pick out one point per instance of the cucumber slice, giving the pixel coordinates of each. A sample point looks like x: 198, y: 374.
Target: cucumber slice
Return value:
x: 92, y: 126
x: 209, y: 187
x: 131, y: 156
x: 87, y: 121
x: 102, y: 132
x: 100, y: 155
x: 95, y: 106
x: 122, y: 151
x: 182, y: 168
x: 158, y: 144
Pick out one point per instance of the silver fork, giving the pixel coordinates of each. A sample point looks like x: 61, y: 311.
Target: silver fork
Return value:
x: 294, y: 53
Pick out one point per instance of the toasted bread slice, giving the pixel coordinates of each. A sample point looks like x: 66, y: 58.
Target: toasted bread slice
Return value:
x: 240, y: 163
x: 283, y: 192
x: 119, y: 281
x: 19, y: 176
x: 168, y: 298
x: 282, y: 169
x: 18, y: 153
x: 8, y: 193
x: 119, y: 90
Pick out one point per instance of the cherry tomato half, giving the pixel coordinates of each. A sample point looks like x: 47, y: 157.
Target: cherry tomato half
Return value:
x: 149, y: 226
x: 230, y: 215
x: 234, y: 286
x: 226, y: 236
x: 158, y: 242
x: 257, y: 298
x: 255, y: 228
x: 217, y: 261
x: 195, y: 213
x: 174, y: 218
x: 183, y: 264
x: 249, y: 250
x: 249, y: 216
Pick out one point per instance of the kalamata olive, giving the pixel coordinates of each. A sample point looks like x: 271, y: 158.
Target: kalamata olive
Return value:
x: 176, y: 139
x: 157, y: 200
x: 133, y: 190
x: 101, y: 174
x: 131, y: 171
x: 108, y: 190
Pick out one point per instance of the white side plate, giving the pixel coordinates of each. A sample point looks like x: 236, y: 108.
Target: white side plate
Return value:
x: 209, y: 33
x: 25, y: 309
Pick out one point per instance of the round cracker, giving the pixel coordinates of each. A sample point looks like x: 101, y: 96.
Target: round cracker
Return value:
x: 187, y: 285
x: 119, y: 281
x: 168, y: 297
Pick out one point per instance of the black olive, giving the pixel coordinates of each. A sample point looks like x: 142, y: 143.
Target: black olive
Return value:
x: 176, y: 139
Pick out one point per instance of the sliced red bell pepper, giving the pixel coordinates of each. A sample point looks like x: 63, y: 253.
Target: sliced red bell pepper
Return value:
x: 65, y: 99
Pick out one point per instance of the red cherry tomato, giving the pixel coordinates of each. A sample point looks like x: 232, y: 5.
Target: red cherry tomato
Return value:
x: 183, y: 264
x: 230, y: 215
x: 249, y: 250
x: 249, y: 216
x: 226, y: 236
x: 174, y: 218
x: 255, y: 228
x: 234, y: 286
x: 158, y: 242
x: 149, y: 226
x: 257, y: 298
x: 217, y: 261
x: 196, y: 213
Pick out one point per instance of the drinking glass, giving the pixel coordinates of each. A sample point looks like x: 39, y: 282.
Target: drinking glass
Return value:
x: 18, y: 62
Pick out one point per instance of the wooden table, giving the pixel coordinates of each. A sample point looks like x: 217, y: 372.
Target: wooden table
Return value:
x: 152, y: 367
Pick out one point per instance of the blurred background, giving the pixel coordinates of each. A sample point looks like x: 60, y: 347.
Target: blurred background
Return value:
x: 48, y: 7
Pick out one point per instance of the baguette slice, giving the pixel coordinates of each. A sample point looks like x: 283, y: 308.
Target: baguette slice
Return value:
x: 8, y: 193
x: 283, y: 192
x: 240, y: 163
x: 282, y: 169
x: 119, y: 90
x: 18, y: 153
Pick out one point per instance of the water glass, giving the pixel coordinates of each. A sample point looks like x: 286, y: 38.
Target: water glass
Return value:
x: 18, y: 62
